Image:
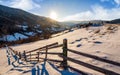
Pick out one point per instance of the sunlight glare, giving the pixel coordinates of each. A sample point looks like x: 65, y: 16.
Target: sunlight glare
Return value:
x: 53, y: 15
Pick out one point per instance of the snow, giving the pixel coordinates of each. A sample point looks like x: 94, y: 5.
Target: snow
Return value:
x: 53, y: 28
x: 39, y: 31
x: 14, y: 37
x: 30, y: 33
x: 21, y: 36
x: 9, y: 38
x: 105, y: 44
x: 24, y: 27
x: 37, y: 26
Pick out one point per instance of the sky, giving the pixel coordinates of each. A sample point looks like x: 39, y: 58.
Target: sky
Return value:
x: 69, y: 10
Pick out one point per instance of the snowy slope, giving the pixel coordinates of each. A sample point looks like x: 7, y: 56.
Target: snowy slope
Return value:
x: 101, y: 41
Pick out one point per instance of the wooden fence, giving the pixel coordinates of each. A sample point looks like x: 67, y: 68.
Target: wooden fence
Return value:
x: 34, y: 55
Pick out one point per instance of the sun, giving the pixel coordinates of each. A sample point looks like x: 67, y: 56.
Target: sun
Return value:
x: 53, y: 15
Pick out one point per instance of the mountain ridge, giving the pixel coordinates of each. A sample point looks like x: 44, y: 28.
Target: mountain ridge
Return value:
x: 19, y: 23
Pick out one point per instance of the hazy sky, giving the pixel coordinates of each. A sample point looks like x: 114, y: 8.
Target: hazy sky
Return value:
x: 70, y: 9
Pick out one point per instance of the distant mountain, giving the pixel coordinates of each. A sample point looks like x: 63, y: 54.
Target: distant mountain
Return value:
x: 70, y: 23
x: 16, y: 24
x: 116, y: 21
x: 74, y: 23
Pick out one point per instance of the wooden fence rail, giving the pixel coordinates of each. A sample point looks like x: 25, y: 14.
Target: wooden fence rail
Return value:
x: 48, y: 59
x: 102, y: 70
x: 44, y: 47
x: 35, y: 55
x: 95, y: 57
x: 53, y: 53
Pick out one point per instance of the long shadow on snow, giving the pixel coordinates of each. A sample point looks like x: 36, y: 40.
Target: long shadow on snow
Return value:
x: 18, y: 67
x: 63, y: 72
x: 44, y: 69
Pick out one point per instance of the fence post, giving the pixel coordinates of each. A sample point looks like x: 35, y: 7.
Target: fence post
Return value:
x: 9, y: 60
x: 46, y: 53
x: 64, y: 63
x: 16, y: 53
x: 19, y: 55
x: 38, y: 56
x: 30, y: 56
x: 25, y: 56
x: 8, y: 55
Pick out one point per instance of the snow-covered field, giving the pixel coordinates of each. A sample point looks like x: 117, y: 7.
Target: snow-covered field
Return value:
x: 100, y: 41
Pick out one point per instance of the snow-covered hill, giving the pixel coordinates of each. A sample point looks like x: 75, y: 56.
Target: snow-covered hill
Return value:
x: 101, y: 41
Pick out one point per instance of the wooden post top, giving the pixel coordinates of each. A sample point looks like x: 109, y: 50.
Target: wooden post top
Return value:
x: 65, y: 40
x: 65, y: 43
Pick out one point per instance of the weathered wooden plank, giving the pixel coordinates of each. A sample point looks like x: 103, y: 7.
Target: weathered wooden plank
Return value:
x: 95, y: 57
x: 53, y: 44
x: 31, y: 55
x: 99, y: 69
x: 65, y: 54
x: 45, y: 53
x: 53, y: 53
x: 48, y: 59
x: 54, y: 60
